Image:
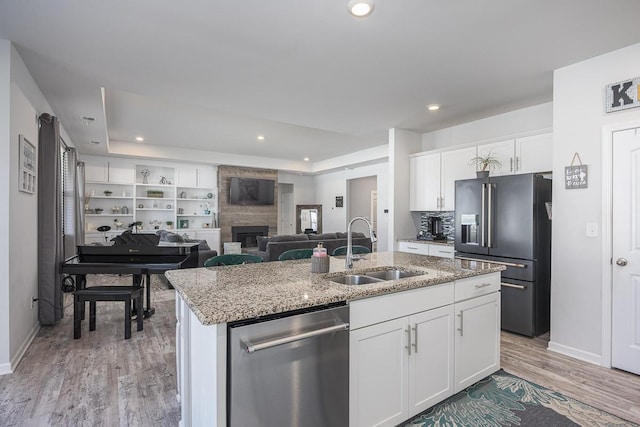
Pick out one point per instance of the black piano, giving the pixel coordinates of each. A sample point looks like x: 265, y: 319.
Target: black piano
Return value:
x: 139, y: 260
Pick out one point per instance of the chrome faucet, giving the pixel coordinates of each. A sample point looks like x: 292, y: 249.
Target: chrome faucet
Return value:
x: 349, y: 260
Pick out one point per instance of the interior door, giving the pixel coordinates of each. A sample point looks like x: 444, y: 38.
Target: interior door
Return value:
x: 286, y: 214
x: 625, y: 351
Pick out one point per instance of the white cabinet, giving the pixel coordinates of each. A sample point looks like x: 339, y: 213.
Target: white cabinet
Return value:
x: 534, y: 153
x: 423, y: 248
x: 96, y: 171
x: 433, y: 176
x: 424, y: 184
x: 121, y: 173
x: 378, y: 396
x: 477, y: 338
x: 394, y: 372
x: 195, y: 176
x: 455, y: 166
x: 521, y: 155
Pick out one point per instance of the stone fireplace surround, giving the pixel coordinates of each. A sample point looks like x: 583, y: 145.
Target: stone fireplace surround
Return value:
x: 246, y: 234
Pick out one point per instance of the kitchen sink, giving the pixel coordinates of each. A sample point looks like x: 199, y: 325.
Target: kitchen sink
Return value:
x: 393, y: 274
x: 355, y: 279
x: 375, y: 277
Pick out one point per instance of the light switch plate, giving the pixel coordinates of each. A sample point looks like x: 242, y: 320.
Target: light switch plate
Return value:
x: 592, y: 229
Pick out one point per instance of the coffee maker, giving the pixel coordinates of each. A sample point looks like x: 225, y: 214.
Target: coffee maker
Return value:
x: 435, y: 228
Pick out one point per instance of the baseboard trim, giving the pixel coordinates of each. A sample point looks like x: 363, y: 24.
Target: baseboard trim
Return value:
x: 5, y: 369
x: 17, y: 358
x: 585, y: 356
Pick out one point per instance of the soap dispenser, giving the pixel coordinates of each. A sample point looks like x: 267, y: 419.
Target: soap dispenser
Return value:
x: 320, y: 259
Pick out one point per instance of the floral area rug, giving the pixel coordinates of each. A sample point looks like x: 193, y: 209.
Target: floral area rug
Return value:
x: 503, y: 399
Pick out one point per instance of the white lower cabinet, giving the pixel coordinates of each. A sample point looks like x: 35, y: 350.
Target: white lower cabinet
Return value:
x: 477, y: 341
x: 401, y: 365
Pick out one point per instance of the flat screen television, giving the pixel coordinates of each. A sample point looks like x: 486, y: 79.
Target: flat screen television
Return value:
x: 250, y: 191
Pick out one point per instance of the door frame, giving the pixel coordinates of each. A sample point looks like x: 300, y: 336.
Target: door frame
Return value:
x: 607, y: 237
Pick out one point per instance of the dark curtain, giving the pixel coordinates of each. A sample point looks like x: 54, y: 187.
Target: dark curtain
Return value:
x: 50, y: 240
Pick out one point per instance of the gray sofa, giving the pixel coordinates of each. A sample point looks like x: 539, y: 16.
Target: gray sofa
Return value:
x: 270, y: 248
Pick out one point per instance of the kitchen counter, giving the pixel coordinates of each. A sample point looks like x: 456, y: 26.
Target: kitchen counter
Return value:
x: 225, y: 294
x: 430, y: 242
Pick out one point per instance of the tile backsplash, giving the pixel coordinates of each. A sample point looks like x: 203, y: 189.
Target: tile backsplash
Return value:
x: 448, y: 224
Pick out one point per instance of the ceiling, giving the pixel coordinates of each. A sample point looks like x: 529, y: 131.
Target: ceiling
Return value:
x: 317, y: 82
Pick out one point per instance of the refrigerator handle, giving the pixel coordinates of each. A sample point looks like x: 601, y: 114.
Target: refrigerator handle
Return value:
x: 489, y: 210
x: 482, y: 210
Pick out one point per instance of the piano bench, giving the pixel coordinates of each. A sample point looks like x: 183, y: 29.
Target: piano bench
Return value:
x: 106, y: 293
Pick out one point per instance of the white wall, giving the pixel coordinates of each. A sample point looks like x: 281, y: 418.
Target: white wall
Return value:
x: 20, y: 102
x: 401, y: 144
x: 518, y: 123
x: 304, y: 191
x: 359, y: 200
x: 5, y: 198
x: 330, y: 185
x: 577, y: 261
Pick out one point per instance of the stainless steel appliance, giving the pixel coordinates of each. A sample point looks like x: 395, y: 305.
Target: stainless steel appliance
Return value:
x: 503, y: 219
x: 290, y: 370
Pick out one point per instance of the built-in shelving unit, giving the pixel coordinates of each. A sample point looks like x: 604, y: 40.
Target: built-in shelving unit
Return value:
x: 181, y: 198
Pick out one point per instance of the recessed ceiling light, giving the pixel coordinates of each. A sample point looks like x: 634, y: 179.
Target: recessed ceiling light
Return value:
x: 260, y: 137
x: 306, y: 159
x: 95, y: 142
x: 360, y: 8
x: 433, y: 107
x: 139, y: 138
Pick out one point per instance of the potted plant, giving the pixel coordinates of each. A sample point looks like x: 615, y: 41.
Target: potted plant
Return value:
x: 169, y: 224
x: 484, y: 164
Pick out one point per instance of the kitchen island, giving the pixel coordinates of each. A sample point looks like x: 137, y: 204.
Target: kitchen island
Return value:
x: 209, y: 298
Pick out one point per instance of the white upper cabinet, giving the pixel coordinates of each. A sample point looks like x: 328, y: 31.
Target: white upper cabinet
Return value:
x: 96, y: 171
x: 503, y: 151
x: 433, y: 176
x: 424, y: 184
x: 455, y: 166
x: 529, y: 154
x: 121, y: 173
x: 195, y: 176
x: 534, y: 153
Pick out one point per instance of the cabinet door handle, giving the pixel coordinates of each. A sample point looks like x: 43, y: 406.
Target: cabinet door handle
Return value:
x: 412, y: 248
x: 441, y: 202
x: 511, y: 163
x: 461, y: 328
x: 415, y: 338
x: 408, y: 347
x: 518, y: 163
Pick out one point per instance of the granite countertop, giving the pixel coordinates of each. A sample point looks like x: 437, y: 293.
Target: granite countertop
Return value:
x: 431, y: 242
x: 226, y: 294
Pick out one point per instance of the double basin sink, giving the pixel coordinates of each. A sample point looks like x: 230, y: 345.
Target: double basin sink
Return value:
x: 375, y: 277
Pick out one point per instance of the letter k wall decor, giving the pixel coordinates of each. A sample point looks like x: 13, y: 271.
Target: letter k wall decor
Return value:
x: 622, y: 95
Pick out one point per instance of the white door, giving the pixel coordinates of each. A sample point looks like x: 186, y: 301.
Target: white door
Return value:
x: 503, y: 152
x: 625, y: 349
x: 378, y: 397
x: 424, y: 183
x: 534, y: 153
x: 477, y: 344
x: 431, y: 360
x: 455, y: 165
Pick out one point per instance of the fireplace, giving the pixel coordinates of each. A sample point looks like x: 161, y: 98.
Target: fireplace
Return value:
x: 246, y: 234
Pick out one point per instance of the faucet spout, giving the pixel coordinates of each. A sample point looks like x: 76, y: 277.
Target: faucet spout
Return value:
x: 349, y: 260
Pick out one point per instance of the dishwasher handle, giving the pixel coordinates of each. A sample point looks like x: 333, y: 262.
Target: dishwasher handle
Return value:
x: 252, y: 348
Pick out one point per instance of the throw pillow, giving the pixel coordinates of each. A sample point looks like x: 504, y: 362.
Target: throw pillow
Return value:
x: 262, y: 243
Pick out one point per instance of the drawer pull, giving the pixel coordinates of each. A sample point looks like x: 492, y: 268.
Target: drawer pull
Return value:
x: 484, y: 285
x: 511, y: 285
x: 412, y: 247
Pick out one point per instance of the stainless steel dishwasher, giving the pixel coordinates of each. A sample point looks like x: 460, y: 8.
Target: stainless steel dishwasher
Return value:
x: 290, y: 370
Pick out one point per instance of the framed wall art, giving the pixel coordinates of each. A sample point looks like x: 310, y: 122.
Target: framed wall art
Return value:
x: 28, y: 166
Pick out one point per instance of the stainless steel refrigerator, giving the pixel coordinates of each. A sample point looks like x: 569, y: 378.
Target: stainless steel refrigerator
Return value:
x: 504, y: 219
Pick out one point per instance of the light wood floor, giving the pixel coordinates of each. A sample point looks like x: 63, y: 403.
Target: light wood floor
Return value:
x: 104, y: 380
x: 610, y: 390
